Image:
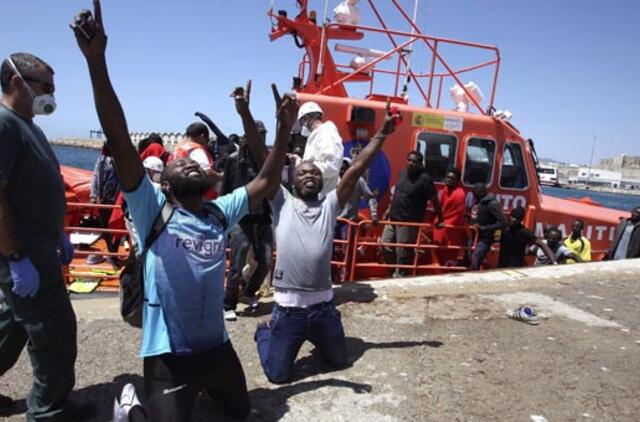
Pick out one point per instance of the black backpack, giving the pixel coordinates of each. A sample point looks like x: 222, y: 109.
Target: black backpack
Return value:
x: 131, y: 277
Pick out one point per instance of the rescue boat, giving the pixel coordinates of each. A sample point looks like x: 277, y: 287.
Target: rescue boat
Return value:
x: 472, y: 136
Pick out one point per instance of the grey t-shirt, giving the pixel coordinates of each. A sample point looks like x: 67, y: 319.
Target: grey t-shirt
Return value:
x: 304, y: 239
x: 35, y: 190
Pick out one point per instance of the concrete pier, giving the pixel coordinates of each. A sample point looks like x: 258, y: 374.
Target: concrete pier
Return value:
x: 420, y: 349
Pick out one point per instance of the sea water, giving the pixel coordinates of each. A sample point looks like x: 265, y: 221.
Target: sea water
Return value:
x: 86, y: 158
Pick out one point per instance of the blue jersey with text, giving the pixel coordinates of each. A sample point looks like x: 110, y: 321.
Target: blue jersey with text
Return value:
x: 183, y: 273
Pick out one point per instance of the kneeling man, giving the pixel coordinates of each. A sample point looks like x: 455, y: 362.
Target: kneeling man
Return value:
x: 304, y: 227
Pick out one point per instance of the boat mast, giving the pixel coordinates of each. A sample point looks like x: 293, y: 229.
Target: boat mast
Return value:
x: 405, y: 87
x: 323, y: 40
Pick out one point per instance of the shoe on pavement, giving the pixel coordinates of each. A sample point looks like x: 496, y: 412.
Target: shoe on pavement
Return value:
x: 94, y: 259
x: 230, y: 315
x: 6, y: 403
x: 524, y: 314
x: 128, y: 399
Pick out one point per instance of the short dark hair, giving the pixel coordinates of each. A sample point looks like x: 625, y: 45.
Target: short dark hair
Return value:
x: 550, y: 228
x: 155, y: 138
x: 27, y: 65
x: 577, y: 220
x: 197, y: 129
x: 518, y: 213
x: 143, y: 144
x: 417, y: 154
x: 454, y: 171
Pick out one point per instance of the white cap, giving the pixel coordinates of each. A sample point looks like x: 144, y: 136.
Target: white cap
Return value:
x: 309, y: 107
x: 154, y: 164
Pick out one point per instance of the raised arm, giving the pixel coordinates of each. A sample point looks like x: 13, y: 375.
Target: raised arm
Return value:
x: 221, y: 138
x: 256, y: 144
x: 266, y: 182
x: 128, y: 165
x: 365, y: 157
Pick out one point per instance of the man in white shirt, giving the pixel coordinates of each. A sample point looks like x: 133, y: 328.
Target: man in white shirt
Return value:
x: 324, y: 145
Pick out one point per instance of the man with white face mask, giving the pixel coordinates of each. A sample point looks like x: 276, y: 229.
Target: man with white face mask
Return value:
x: 324, y: 145
x: 36, y: 306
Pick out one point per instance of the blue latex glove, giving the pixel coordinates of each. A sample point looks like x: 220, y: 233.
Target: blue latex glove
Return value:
x: 26, y: 279
x: 66, y: 249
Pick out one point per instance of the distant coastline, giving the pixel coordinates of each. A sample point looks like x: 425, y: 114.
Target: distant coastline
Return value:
x: 603, y: 189
x: 78, y: 142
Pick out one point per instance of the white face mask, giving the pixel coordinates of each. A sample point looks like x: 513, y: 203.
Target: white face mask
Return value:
x: 42, y: 104
x: 304, y: 131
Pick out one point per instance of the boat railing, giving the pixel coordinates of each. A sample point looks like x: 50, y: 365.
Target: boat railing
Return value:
x: 435, y: 46
x: 403, y: 44
x: 76, y: 270
x: 428, y: 257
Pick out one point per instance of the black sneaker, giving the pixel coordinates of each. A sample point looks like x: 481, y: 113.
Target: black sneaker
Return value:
x: 78, y: 411
x: 6, y: 404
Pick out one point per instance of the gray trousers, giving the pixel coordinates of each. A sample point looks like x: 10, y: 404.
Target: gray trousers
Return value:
x: 399, y: 255
x: 46, y: 324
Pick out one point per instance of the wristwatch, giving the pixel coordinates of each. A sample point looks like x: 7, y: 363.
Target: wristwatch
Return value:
x: 16, y: 255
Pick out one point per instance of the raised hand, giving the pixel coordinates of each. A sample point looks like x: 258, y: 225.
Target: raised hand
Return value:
x: 392, y: 119
x: 286, y: 107
x: 89, y: 31
x: 242, y: 97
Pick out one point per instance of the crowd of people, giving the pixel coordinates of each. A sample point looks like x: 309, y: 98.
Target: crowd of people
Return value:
x: 233, y: 191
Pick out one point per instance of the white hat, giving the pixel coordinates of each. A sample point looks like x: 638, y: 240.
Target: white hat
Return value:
x: 154, y: 164
x: 309, y: 107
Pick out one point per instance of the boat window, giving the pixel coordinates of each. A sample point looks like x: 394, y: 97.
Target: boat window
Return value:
x: 439, y: 153
x: 478, y: 165
x: 513, y: 173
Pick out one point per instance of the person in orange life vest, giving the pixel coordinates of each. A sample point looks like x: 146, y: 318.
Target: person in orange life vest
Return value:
x: 453, y: 210
x: 194, y: 146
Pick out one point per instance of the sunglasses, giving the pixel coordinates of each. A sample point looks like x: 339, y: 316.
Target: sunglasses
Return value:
x: 48, y: 88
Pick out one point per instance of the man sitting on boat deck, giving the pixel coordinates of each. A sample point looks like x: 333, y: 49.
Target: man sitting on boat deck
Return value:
x: 626, y: 241
x: 304, y: 226
x: 577, y: 243
x: 185, y: 346
x: 516, y: 239
x: 553, y: 239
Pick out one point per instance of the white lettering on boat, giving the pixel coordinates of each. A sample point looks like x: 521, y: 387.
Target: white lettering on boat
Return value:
x: 600, y: 230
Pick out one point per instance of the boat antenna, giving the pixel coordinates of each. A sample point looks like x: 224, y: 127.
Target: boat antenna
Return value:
x: 322, y: 40
x: 405, y: 87
x: 593, y: 148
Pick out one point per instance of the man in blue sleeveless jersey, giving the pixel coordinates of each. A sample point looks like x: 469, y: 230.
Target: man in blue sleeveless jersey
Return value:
x: 185, y: 346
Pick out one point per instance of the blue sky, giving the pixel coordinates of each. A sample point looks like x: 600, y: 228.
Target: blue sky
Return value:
x: 569, y: 69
